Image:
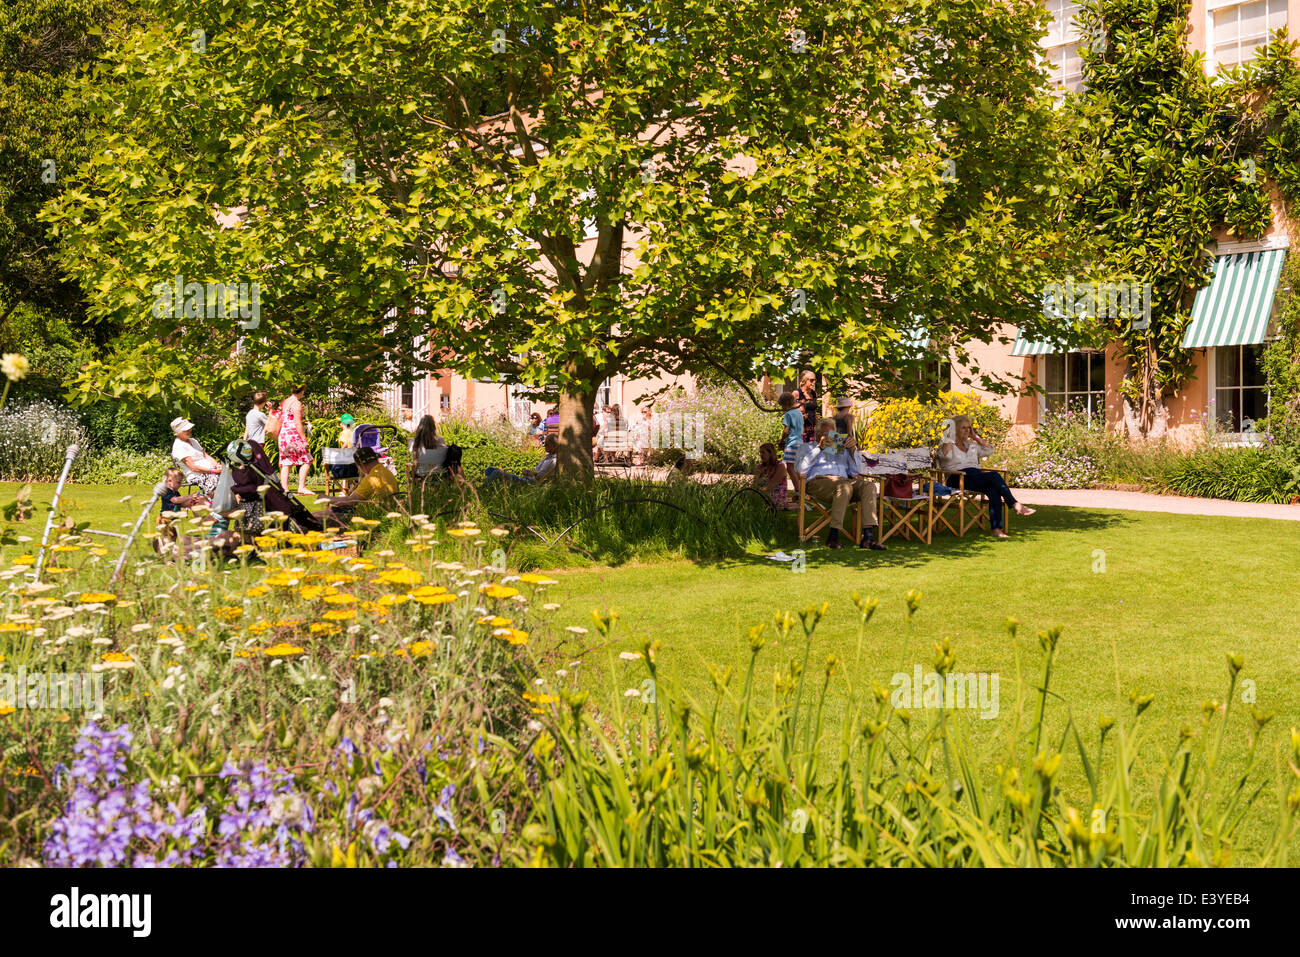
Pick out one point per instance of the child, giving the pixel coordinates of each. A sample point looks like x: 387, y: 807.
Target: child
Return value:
x: 791, y: 427
x: 346, y: 421
x: 172, y: 501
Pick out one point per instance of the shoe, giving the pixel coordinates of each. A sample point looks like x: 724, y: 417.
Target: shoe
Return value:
x: 869, y: 540
x: 833, y: 539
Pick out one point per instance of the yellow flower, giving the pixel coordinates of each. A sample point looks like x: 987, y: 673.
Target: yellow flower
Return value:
x: 284, y: 650
x: 463, y: 532
x: 324, y: 627
x: 228, y: 613
x: 421, y: 649
x: 115, y: 656
x: 424, y: 591
x: 399, y: 576
x: 24, y: 560
x: 385, y: 600
x: 340, y: 599
x: 496, y: 621
x: 433, y: 599
x: 14, y: 365
x: 498, y: 591
x: 257, y: 591
x: 5, y: 709
x: 340, y: 614
x: 10, y: 626
x: 512, y: 635
x: 533, y: 578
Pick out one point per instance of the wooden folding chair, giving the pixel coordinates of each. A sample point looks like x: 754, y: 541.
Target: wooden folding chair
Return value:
x: 821, y: 513
x: 907, y: 518
x: 330, y: 457
x: 972, y: 507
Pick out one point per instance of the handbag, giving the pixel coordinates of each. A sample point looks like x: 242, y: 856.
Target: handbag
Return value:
x: 273, y: 425
x: 898, y: 486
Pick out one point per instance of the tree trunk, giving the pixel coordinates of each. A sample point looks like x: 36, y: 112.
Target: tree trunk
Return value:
x: 574, y: 459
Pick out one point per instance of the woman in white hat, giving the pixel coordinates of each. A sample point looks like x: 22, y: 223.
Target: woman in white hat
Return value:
x: 200, y: 469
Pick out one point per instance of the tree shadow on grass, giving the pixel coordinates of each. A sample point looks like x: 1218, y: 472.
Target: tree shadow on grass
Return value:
x: 903, y: 553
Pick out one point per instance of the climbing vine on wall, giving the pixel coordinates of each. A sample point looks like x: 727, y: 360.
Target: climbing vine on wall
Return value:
x: 1171, y: 157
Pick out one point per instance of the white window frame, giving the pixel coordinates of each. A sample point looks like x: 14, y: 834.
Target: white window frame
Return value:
x: 1214, y: 6
x: 1212, y: 399
x: 1098, y: 355
x: 1069, y: 35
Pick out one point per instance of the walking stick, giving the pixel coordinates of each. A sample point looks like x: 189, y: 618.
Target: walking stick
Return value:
x: 49, y: 521
x: 121, y: 559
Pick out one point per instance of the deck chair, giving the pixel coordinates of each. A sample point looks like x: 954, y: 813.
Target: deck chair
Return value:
x: 339, y: 470
x: 971, y: 508
x: 813, y: 516
x: 907, y: 516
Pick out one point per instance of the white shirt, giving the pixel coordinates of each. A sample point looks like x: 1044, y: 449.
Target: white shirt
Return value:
x: 956, y: 459
x: 182, y: 450
x: 814, y: 461
x: 255, y: 425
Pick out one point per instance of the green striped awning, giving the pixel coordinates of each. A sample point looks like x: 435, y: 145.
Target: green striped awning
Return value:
x: 1233, y: 309
x: 1028, y: 347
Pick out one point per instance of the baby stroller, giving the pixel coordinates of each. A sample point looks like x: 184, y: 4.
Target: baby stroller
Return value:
x: 368, y: 435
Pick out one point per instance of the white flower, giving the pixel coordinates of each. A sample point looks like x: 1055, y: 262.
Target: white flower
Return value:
x: 79, y: 631
x: 286, y: 808
x: 551, y: 606
x: 99, y: 641
x: 14, y: 365
x: 629, y: 655
x: 576, y: 629
x: 631, y: 693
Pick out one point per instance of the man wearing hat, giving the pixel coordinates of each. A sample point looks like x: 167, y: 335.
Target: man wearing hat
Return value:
x: 200, y: 469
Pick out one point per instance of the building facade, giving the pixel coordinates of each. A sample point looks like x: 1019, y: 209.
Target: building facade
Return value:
x: 1231, y: 318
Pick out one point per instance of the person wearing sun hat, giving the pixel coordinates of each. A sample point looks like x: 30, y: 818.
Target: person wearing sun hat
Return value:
x: 200, y: 468
x: 844, y: 422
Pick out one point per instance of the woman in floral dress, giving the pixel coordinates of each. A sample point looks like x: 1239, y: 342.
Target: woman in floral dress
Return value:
x: 292, y: 441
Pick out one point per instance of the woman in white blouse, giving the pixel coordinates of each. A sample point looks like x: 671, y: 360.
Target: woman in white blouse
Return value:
x: 200, y: 468
x: 961, y: 452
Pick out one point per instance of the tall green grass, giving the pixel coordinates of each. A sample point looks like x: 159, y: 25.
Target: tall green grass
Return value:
x: 735, y: 781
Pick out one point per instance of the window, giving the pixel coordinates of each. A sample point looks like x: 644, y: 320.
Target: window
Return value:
x: 1240, y: 391
x: 1238, y: 29
x: 408, y: 395
x: 1076, y: 380
x: 602, y: 395
x: 1061, y: 45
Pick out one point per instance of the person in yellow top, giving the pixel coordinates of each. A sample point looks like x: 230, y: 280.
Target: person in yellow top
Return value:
x: 377, y: 484
x: 345, y: 432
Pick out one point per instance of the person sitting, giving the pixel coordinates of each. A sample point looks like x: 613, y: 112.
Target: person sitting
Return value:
x: 428, y: 449
x: 833, y: 474
x: 377, y: 485
x: 169, y: 493
x: 960, y: 452
x: 536, y: 431
x: 545, y: 468
x: 771, y: 476
x: 200, y: 468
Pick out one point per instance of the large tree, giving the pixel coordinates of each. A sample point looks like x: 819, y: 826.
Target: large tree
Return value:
x: 46, y: 131
x: 756, y: 179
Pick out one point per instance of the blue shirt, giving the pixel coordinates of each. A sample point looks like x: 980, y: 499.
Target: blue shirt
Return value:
x: 815, y: 462
x: 793, y: 420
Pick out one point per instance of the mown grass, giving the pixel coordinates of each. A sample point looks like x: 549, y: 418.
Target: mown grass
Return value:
x: 1148, y: 603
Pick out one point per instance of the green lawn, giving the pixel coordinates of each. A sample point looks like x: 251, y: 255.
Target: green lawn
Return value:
x: 1176, y: 594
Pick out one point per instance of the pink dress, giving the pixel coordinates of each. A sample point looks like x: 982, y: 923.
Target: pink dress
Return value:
x: 292, y: 443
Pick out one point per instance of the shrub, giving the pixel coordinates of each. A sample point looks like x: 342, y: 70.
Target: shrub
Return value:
x: 1251, y: 474
x: 106, y: 467
x: 1039, y: 467
x: 733, y: 427
x: 477, y: 459
x: 481, y: 431
x: 910, y: 424
x: 34, y: 438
